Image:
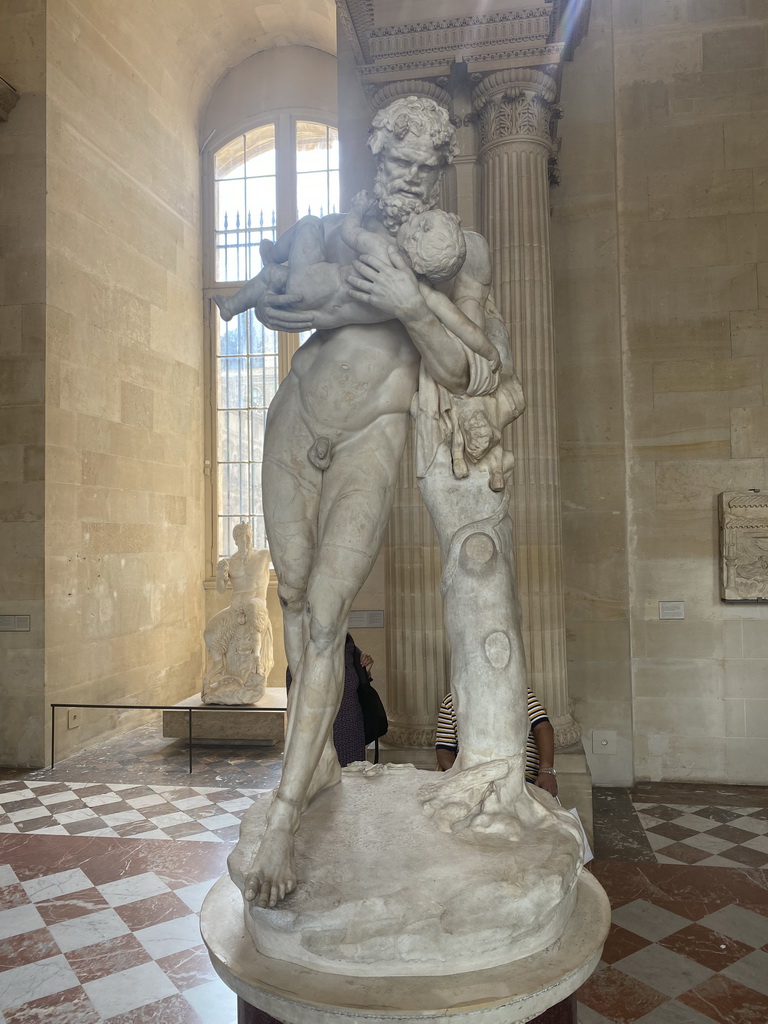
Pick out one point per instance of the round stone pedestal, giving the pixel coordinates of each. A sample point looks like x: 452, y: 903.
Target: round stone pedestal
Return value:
x: 384, y: 892
x: 508, y: 994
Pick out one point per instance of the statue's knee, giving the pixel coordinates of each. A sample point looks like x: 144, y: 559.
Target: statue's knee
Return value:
x: 321, y: 634
x: 291, y: 599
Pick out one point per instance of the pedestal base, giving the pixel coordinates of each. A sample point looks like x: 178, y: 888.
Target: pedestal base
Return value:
x: 384, y: 892
x: 561, y: 1013
x: 510, y: 994
x: 264, y: 725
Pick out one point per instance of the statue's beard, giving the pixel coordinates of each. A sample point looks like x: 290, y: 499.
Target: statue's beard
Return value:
x: 396, y: 207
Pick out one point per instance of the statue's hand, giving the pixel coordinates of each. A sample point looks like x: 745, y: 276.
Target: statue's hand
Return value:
x: 273, y: 310
x: 389, y: 286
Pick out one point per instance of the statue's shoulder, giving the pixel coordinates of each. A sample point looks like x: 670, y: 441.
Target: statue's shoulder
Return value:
x: 478, y: 261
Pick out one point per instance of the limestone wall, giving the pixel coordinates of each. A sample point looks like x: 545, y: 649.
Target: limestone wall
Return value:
x: 22, y: 379
x: 690, y: 340
x: 124, y: 381
x: 101, y: 412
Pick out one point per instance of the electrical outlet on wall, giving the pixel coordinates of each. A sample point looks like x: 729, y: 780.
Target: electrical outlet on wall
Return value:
x: 603, y: 741
x: 73, y: 718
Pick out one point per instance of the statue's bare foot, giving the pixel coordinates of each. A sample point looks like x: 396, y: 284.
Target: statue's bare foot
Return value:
x: 361, y: 202
x: 223, y: 303
x: 272, y: 874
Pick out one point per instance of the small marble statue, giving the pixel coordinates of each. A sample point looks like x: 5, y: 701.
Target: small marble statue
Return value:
x: 239, y: 637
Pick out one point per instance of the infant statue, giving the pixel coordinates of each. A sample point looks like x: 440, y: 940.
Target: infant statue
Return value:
x: 239, y: 637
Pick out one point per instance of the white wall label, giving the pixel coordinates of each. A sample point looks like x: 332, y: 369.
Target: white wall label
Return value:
x: 14, y: 624
x: 370, y: 619
x: 671, y: 609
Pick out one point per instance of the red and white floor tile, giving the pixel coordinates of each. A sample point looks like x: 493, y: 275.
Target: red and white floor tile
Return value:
x: 99, y: 929
x: 707, y: 835
x: 688, y: 945
x: 101, y: 883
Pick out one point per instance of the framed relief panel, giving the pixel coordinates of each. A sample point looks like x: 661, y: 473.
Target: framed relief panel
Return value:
x: 743, y: 545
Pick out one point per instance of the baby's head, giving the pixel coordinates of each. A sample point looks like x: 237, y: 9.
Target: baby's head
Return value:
x: 433, y: 244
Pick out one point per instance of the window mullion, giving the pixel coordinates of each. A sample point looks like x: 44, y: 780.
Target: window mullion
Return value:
x: 286, y: 172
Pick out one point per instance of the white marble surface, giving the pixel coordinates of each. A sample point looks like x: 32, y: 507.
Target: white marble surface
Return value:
x: 508, y: 994
x: 383, y: 891
x: 239, y: 638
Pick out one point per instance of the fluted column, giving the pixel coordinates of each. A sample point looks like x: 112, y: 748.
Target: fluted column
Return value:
x: 417, y: 657
x: 514, y: 111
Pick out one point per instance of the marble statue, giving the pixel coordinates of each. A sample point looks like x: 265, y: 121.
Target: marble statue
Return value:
x: 239, y: 638
x: 393, y: 339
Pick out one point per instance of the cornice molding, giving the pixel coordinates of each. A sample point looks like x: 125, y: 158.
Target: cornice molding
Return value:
x: 514, y: 38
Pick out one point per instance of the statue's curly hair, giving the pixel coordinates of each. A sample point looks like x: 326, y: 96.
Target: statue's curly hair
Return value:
x: 415, y: 115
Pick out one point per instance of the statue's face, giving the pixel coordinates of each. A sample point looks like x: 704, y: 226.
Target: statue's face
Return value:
x: 242, y: 535
x: 409, y: 167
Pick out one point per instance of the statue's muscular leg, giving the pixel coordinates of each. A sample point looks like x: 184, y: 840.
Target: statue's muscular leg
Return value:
x: 355, y: 504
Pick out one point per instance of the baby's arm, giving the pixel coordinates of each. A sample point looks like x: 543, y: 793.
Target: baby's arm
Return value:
x: 458, y: 323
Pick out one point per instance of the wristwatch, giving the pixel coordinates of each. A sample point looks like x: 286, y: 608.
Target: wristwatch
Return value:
x: 547, y: 771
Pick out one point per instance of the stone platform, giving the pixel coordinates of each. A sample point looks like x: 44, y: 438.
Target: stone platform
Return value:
x: 384, y: 890
x: 508, y: 994
x: 264, y: 725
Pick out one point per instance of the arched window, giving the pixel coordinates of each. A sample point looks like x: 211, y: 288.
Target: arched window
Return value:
x: 258, y: 182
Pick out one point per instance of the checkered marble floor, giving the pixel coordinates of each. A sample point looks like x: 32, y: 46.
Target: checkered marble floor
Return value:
x: 99, y: 929
x: 101, y: 882
x: 704, y: 834
x: 688, y: 945
x: 119, y: 810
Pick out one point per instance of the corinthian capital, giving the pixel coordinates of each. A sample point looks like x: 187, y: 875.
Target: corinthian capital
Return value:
x: 515, y: 105
x: 380, y: 96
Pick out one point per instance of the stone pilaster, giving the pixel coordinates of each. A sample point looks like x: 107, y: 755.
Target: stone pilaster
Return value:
x: 514, y: 110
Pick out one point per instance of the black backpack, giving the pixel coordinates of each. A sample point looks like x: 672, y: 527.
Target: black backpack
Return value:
x: 375, y: 721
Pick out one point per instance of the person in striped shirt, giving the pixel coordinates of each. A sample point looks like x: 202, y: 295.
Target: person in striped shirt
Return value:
x: 539, y: 752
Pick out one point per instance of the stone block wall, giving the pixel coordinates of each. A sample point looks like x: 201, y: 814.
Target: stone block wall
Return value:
x: 101, y: 347
x: 688, y: 81
x: 22, y: 380
x: 124, y: 383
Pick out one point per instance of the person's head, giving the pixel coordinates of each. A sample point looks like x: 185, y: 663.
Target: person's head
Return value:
x: 242, y: 535
x: 413, y: 141
x: 433, y: 244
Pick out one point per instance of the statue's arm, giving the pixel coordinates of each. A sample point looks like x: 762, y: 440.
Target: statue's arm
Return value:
x: 392, y: 287
x: 222, y: 575
x: 459, y: 323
